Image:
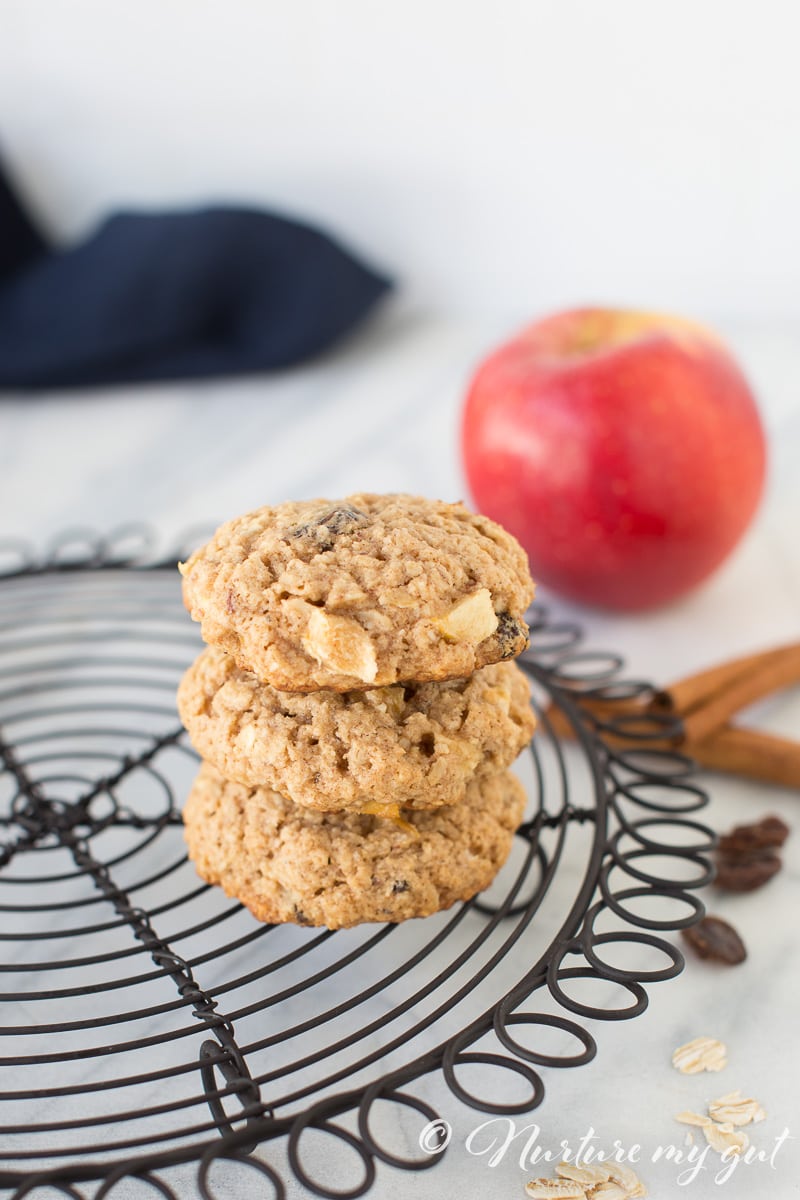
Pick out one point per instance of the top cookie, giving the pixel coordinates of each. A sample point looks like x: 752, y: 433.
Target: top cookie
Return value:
x: 361, y: 592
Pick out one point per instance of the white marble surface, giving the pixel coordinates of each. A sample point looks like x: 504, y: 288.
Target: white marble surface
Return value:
x: 381, y: 413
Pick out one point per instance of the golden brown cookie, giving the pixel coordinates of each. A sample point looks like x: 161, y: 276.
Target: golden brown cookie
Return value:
x: 361, y: 592
x: 416, y: 745
x: 336, y: 869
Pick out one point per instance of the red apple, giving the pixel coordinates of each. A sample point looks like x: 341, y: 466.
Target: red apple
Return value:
x: 623, y: 449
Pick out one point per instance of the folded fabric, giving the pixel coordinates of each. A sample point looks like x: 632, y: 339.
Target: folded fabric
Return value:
x: 220, y: 291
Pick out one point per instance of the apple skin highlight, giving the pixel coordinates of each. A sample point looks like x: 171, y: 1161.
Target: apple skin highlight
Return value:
x: 624, y: 450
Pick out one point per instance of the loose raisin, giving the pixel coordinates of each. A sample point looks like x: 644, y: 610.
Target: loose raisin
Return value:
x: 715, y: 939
x: 759, y: 835
x: 745, y: 873
x: 746, y: 857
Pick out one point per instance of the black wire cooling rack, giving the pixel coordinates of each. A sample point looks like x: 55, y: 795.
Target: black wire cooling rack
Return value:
x: 159, y: 1037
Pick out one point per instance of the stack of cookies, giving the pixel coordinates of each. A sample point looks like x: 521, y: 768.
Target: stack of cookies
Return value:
x: 356, y: 708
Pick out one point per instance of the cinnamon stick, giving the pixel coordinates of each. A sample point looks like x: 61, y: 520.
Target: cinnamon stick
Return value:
x: 695, y: 690
x: 637, y: 725
x: 702, y: 706
x: 771, y: 673
x: 733, y: 749
x: 750, y: 753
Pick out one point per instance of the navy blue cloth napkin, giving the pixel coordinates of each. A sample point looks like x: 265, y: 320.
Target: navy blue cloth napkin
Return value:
x: 176, y: 295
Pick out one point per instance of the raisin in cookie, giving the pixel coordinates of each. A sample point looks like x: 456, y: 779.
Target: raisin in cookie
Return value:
x: 340, y: 869
x: 361, y: 592
x: 416, y: 745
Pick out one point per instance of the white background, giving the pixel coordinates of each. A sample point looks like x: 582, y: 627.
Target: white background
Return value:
x: 508, y: 157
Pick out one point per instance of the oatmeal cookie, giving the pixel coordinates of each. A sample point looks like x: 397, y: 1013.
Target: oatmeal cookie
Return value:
x: 416, y: 745
x: 361, y: 592
x: 341, y: 869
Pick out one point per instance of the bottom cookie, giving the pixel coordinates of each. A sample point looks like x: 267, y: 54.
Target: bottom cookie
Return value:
x: 336, y: 869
